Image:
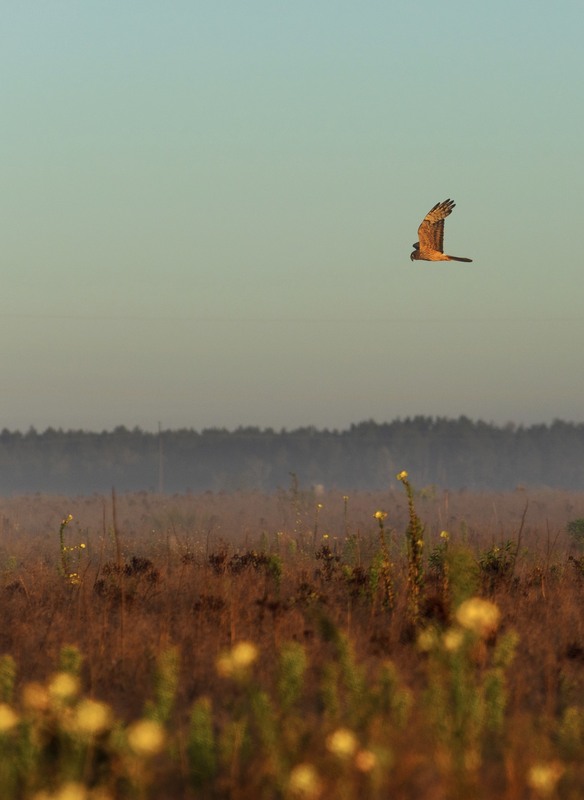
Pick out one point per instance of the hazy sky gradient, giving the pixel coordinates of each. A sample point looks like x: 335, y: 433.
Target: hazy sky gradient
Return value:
x: 208, y: 210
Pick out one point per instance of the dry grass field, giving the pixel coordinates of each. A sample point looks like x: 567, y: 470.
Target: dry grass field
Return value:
x: 302, y: 644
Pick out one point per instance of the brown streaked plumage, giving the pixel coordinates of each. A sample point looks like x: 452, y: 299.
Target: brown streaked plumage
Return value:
x: 431, y: 234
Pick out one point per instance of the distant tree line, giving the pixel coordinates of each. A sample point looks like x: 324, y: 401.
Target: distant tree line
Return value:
x: 452, y: 453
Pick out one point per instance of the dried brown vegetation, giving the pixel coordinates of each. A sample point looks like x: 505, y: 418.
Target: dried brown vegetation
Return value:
x: 203, y: 572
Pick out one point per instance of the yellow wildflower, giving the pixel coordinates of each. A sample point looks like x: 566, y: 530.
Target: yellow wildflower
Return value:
x: 402, y: 476
x: 380, y: 515
x: 146, y: 737
x: 543, y: 777
x: 427, y: 640
x: 478, y: 615
x: 365, y: 760
x: 342, y: 743
x: 238, y: 660
x: 63, y: 687
x: 452, y: 639
x: 92, y: 717
x: 8, y: 718
x: 304, y: 782
x: 444, y: 535
x: 244, y: 654
x: 35, y: 697
x: 71, y: 791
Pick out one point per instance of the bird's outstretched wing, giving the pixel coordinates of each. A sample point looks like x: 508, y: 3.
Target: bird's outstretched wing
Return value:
x: 431, y: 231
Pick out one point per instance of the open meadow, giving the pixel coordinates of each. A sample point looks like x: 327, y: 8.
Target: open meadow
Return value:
x: 412, y: 643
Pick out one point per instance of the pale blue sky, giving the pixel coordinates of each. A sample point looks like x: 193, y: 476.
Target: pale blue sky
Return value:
x: 207, y: 212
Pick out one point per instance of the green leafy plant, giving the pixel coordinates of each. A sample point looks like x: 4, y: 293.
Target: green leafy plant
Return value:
x: 497, y: 563
x: 382, y: 568
x: 70, y: 554
x: 466, y: 696
x: 415, y: 548
x: 575, y: 529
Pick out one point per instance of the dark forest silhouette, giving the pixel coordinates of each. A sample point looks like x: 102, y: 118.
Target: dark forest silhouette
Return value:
x: 449, y: 453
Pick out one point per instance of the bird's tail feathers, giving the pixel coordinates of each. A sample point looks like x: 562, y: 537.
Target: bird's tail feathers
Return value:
x: 456, y: 258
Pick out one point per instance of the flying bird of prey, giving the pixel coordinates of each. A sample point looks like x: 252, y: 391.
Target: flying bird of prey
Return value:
x: 431, y: 233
